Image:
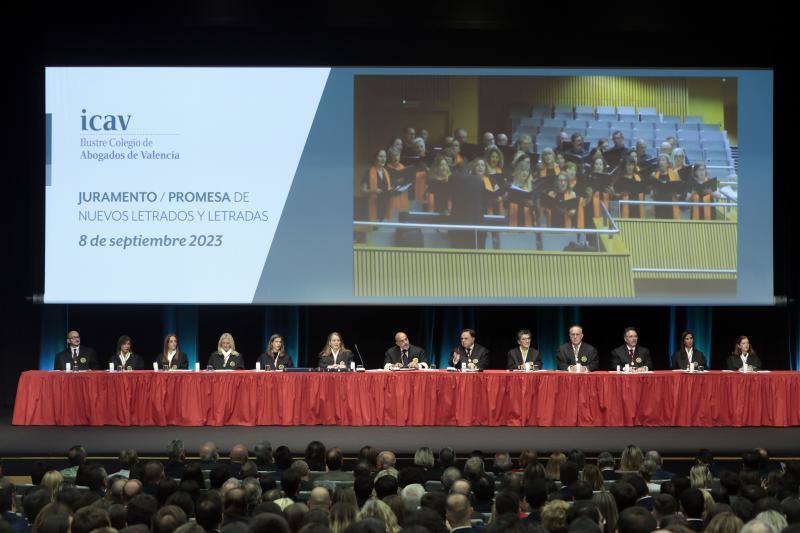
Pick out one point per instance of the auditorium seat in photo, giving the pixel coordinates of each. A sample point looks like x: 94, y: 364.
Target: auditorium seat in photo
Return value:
x: 575, y: 124
x: 668, y: 128
x: 553, y: 123
x: 688, y: 136
x: 710, y: 135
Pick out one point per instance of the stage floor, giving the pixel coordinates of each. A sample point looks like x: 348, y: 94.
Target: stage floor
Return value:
x: 108, y: 440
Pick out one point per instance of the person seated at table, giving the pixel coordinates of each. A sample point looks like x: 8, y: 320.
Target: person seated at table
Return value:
x: 403, y: 354
x: 631, y: 354
x: 475, y: 356
x: 225, y: 356
x: 743, y: 354
x: 124, y: 358
x: 275, y: 358
x: 171, y: 356
x: 576, y: 352
x: 687, y: 354
x: 517, y: 357
x: 335, y: 354
x: 79, y: 357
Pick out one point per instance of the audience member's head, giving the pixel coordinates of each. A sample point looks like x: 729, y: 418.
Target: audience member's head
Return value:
x: 89, y: 518
x: 636, y: 520
x: 208, y: 511
x: 624, y: 494
x: 319, y: 498
x: 450, y: 475
x: 294, y: 515
x: 209, y: 453
x: 554, y: 516
x: 141, y: 509
x: 386, y: 459
x: 459, y: 511
x: 692, y: 502
x: 76, y: 455
x: 333, y: 459
x: 268, y: 523
x: 385, y: 486
x: 168, y: 519
x: 33, y: 502
x: 378, y: 510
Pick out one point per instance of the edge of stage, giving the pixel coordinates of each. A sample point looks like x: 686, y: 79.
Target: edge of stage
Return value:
x: 44, y: 440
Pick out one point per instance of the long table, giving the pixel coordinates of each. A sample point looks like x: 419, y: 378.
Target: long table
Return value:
x: 408, y: 398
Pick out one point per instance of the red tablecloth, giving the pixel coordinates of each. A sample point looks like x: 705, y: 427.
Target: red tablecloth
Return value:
x: 432, y: 398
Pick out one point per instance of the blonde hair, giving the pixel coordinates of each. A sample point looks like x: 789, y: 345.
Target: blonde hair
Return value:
x: 773, y: 518
x: 700, y: 477
x: 52, y: 481
x: 342, y: 515
x: 230, y: 338
x: 554, y: 515
x: 424, y: 457
x: 631, y: 459
x: 552, y: 469
x: 326, y: 350
x: 726, y: 522
x: 591, y: 475
x: 375, y: 508
x: 608, y: 507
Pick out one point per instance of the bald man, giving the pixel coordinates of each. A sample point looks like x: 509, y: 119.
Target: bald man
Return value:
x: 209, y: 455
x: 459, y: 513
x: 319, y: 498
x: 403, y: 354
x: 239, y: 455
x: 79, y: 357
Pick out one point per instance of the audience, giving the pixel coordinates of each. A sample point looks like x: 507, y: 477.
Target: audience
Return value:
x: 571, y: 494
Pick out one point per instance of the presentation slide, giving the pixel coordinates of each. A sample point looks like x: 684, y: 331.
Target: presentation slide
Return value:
x: 408, y: 186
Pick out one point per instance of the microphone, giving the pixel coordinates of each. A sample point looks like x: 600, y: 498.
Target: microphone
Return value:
x: 359, y: 356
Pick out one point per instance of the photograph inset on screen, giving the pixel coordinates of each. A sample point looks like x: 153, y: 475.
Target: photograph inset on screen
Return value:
x: 545, y: 187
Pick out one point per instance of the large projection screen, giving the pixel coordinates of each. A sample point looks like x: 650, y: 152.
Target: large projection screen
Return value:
x: 396, y: 186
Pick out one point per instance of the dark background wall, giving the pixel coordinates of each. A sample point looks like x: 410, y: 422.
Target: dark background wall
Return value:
x: 468, y: 34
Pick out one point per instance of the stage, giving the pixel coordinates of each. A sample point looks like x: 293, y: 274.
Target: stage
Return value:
x: 30, y: 441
